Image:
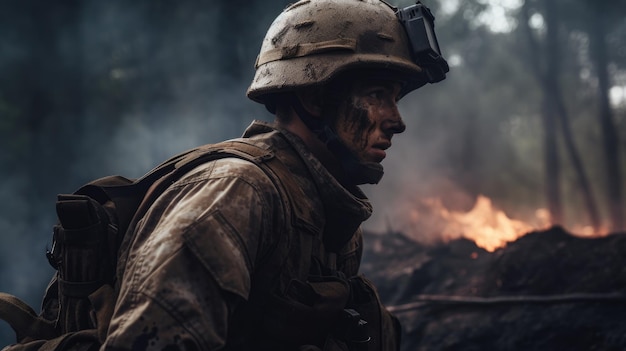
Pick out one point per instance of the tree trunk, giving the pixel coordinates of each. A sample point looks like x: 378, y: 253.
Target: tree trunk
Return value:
x: 551, y: 158
x: 551, y: 90
x: 574, y: 155
x: 555, y: 94
x: 555, y: 106
x: 599, y: 56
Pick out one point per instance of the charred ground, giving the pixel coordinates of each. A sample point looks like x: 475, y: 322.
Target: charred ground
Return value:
x: 549, y: 290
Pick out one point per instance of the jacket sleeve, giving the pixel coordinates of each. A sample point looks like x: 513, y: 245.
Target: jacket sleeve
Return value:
x: 191, y: 262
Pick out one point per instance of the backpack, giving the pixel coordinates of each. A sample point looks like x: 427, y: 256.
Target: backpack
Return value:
x: 94, y: 225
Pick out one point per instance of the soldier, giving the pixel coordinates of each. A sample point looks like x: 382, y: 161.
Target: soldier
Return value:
x: 234, y: 257
x: 258, y: 248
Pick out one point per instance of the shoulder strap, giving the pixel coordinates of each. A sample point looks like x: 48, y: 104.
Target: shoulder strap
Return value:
x: 23, y: 319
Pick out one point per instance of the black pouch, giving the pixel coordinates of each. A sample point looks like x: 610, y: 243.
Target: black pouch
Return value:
x: 308, y: 311
x: 82, y: 253
x: 383, y: 328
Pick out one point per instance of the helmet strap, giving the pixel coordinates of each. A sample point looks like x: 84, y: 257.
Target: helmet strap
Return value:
x: 356, y: 172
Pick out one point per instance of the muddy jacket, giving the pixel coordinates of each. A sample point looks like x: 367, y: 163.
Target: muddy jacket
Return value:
x: 229, y: 257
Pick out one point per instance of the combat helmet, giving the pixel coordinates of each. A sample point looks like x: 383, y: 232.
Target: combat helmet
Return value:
x: 312, y: 41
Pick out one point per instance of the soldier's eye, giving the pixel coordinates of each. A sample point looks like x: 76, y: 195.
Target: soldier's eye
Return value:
x: 376, y: 94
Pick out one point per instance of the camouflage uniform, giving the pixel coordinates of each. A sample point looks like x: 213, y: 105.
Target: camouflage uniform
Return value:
x: 220, y: 259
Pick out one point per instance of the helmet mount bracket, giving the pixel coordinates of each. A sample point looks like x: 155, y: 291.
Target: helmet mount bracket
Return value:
x: 419, y: 24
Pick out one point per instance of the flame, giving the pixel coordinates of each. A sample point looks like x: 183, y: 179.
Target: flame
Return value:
x: 488, y: 227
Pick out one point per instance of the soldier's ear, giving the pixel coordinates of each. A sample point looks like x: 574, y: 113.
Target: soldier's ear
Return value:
x: 311, y: 100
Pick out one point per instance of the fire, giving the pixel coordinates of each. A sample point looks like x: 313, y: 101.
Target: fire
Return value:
x: 489, y: 227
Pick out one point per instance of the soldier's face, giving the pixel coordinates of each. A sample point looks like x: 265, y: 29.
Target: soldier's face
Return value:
x: 368, y: 118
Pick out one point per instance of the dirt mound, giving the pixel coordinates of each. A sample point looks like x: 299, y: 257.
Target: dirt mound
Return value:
x: 548, y: 290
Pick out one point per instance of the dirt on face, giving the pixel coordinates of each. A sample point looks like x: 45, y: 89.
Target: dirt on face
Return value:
x: 359, y: 115
x: 355, y: 122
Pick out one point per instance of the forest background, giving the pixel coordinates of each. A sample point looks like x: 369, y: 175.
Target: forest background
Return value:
x: 532, y: 114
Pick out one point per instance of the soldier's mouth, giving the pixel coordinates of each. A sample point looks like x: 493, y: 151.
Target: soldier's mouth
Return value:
x: 378, y: 152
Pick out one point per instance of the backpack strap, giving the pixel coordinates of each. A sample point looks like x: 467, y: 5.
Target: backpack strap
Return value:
x: 23, y: 319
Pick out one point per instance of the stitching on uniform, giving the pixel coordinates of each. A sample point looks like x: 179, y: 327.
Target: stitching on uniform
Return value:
x: 252, y: 182
x: 231, y: 232
x: 207, y: 171
x: 180, y: 319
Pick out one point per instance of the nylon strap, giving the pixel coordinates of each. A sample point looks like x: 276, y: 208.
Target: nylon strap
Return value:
x: 79, y: 289
x: 80, y: 236
x: 305, y: 49
x: 23, y: 319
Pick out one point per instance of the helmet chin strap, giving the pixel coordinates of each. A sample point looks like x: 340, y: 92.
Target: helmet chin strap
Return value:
x: 356, y: 172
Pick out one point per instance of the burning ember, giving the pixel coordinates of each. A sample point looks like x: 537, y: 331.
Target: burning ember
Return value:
x: 489, y: 227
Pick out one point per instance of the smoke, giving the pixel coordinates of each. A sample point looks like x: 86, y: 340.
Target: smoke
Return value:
x: 151, y: 88
x: 25, y: 271
x: 454, y: 149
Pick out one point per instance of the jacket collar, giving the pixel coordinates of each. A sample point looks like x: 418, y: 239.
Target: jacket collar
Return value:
x: 345, y: 209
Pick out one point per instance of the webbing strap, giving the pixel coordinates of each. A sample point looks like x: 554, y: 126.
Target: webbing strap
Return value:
x: 305, y: 49
x: 79, y: 289
x: 24, y: 320
x: 236, y: 148
x: 83, y: 236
